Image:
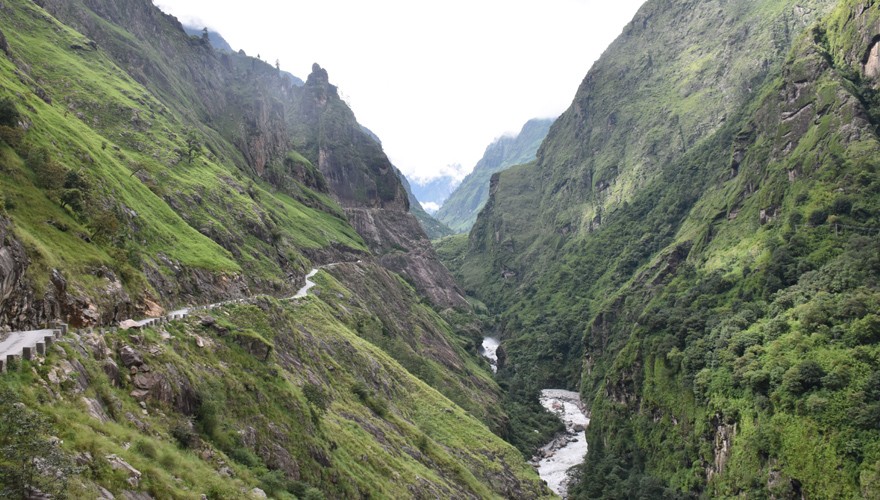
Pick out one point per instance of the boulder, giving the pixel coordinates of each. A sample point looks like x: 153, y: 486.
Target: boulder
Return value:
x: 130, y: 357
x: 117, y: 463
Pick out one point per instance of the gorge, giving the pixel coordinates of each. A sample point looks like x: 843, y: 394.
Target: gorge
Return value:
x: 670, y: 291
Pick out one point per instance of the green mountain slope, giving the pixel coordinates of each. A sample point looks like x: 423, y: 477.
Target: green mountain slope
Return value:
x: 142, y: 171
x: 284, y: 396
x: 703, y: 258
x: 460, y: 211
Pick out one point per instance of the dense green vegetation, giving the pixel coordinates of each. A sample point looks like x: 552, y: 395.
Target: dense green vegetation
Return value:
x: 460, y: 210
x: 711, y: 290
x: 107, y: 175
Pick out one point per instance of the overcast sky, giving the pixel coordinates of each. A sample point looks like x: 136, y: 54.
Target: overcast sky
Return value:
x: 437, y: 81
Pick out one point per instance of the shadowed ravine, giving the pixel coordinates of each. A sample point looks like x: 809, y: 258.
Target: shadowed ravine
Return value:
x: 567, y: 450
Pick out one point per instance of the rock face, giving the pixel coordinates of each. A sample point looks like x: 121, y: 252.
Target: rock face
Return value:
x: 367, y: 185
x: 401, y: 245
x: 21, y: 308
x: 250, y: 121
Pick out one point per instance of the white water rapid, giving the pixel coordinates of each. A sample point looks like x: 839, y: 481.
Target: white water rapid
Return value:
x: 490, y: 351
x: 566, y: 450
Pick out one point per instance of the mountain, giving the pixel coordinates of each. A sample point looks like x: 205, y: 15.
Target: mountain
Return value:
x: 460, y: 210
x: 433, y: 228
x: 695, y: 250
x: 434, y: 192
x: 215, y: 39
x: 144, y: 172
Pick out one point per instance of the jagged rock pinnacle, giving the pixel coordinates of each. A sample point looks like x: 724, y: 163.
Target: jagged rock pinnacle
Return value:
x: 318, y: 76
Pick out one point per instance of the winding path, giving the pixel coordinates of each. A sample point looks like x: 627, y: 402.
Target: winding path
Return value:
x: 16, y: 343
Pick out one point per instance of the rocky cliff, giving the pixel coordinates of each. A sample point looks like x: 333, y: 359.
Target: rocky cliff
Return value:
x: 176, y: 111
x: 368, y: 187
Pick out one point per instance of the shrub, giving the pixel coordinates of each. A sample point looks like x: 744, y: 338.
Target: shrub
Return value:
x: 13, y: 136
x: 803, y: 377
x: 146, y: 448
x: 24, y: 441
x: 316, y: 396
x: 50, y: 174
x: 9, y: 115
x: 842, y: 206
x: 863, y: 331
x: 185, y: 434
x: 817, y: 217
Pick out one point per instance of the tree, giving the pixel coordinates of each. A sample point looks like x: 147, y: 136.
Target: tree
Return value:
x: 193, y: 146
x: 205, y: 36
x: 76, y: 189
x: 29, y: 461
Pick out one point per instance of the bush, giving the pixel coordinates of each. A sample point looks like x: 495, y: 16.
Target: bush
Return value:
x: 378, y: 405
x: 803, y: 377
x: 817, y: 217
x: 863, y: 331
x: 9, y: 115
x: 316, y: 396
x: 13, y: 136
x: 50, y: 174
x: 185, y: 434
x: 24, y: 441
x: 146, y: 448
x: 841, y: 206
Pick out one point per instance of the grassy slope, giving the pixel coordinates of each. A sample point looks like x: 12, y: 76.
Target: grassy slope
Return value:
x: 91, y: 127
x: 327, y: 408
x: 209, y: 214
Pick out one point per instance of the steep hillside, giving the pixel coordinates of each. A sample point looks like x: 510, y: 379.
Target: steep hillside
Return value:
x: 703, y: 258
x: 142, y: 171
x: 207, y: 139
x: 284, y: 396
x: 460, y: 211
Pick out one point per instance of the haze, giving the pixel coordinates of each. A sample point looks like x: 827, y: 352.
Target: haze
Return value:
x: 436, y: 81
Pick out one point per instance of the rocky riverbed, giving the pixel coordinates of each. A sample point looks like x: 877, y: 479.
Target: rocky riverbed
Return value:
x: 554, y: 460
x: 566, y: 450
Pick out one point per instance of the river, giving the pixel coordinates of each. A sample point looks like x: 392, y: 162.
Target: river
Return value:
x: 567, y: 450
x: 490, y: 351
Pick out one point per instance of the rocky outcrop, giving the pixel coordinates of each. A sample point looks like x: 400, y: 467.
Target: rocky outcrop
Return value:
x: 366, y: 184
x: 725, y: 433
x: 22, y: 309
x: 15, y: 295
x: 399, y: 242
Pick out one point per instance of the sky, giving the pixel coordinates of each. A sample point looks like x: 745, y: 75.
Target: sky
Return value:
x: 437, y: 81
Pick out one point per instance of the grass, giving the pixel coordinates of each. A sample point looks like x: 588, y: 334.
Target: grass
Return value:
x: 205, y: 214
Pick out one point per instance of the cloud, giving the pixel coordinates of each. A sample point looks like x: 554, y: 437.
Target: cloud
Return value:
x: 430, y: 207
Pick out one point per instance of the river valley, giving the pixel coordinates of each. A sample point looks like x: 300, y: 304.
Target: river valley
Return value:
x: 566, y: 450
